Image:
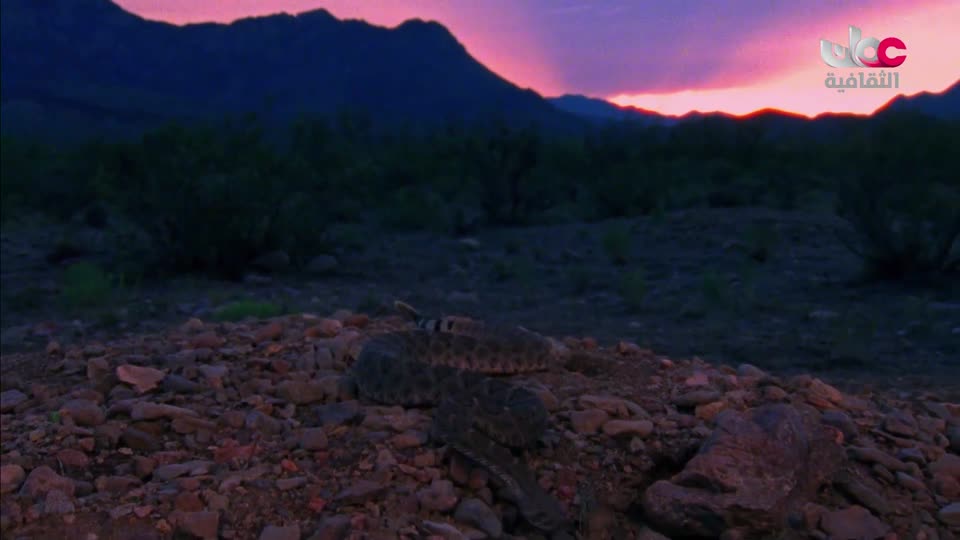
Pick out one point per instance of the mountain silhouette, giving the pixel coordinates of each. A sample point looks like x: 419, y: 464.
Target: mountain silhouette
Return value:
x: 89, y: 63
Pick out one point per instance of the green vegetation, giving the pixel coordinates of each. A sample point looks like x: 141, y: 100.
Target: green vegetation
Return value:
x: 244, y: 309
x: 86, y: 284
x: 633, y: 288
x: 210, y: 200
x: 617, y: 244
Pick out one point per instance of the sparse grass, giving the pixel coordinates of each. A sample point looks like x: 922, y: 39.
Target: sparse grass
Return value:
x: 243, y: 309
x: 86, y: 285
x: 616, y: 244
x: 715, y: 289
x: 633, y: 288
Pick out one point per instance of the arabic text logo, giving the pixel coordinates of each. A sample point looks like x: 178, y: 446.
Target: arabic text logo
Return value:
x: 854, y: 56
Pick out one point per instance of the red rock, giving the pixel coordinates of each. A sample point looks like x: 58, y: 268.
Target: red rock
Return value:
x: 142, y: 378
x: 43, y: 479
x: 73, y: 458
x: 270, y: 332
x: 207, y: 340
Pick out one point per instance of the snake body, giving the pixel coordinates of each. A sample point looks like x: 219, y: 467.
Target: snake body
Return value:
x: 448, y: 363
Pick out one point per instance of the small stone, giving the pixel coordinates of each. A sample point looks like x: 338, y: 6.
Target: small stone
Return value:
x: 950, y: 514
x: 910, y: 482
x: 841, y: 421
x: 588, y: 421
x: 313, y: 439
x: 639, y: 428
x: 84, y: 412
x: 9, y: 399
x: 288, y: 484
x: 11, y: 476
x: 200, y: 524
x: 853, y: 522
x: 476, y: 513
x: 58, y: 503
x: 439, y: 496
x: 43, y: 479
x: 270, y: 332
x: 276, y: 532
x: 72, y: 458
x: 361, y: 491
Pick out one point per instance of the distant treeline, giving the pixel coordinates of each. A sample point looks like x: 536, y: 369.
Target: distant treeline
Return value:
x: 213, y: 198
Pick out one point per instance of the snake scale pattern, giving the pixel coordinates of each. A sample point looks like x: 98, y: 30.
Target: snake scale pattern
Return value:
x: 448, y: 363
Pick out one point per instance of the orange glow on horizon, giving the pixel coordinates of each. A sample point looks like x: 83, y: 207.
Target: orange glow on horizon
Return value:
x: 932, y: 65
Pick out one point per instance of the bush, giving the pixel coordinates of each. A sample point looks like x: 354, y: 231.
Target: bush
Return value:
x: 85, y: 285
x: 633, y: 288
x: 617, y: 244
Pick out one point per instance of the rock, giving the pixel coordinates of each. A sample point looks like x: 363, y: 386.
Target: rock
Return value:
x: 439, y: 496
x: 900, y: 423
x: 332, y: 528
x: 313, y: 439
x: 950, y: 514
x: 140, y: 440
x: 200, y: 524
x: 338, y: 414
x: 181, y: 385
x: 476, y: 513
x: 43, y: 479
x: 588, y: 421
x: 864, y: 491
x: 841, y: 421
x: 873, y: 455
x: 84, y: 412
x: 302, y: 392
x: 696, y: 397
x: 271, y: 332
x: 442, y: 531
x: 639, y: 428
x: 854, y: 522
x: 146, y: 410
x: 360, y: 491
x: 609, y: 404
x: 276, y: 532
x: 288, y: 484
x: 143, y: 379
x: 747, y: 473
x: 206, y: 340
x: 11, y: 476
x: 70, y: 457
x: 58, y: 503
x: 9, y: 399
x: 749, y: 370
x: 325, y: 328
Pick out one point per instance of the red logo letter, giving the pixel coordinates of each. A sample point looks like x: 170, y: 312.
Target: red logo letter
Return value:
x: 882, y: 52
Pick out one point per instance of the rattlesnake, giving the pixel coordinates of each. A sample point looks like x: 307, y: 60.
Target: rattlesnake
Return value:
x: 446, y: 362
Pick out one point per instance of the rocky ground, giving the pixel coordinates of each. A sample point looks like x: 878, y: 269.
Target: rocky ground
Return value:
x: 252, y: 430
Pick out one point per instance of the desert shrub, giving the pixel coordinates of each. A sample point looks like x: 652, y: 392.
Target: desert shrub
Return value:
x: 902, y: 200
x: 616, y: 243
x: 633, y: 288
x: 210, y: 202
x: 85, y: 284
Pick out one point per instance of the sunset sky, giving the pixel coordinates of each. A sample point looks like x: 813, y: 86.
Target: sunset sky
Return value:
x: 673, y: 57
